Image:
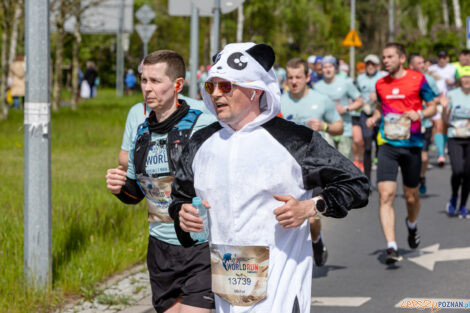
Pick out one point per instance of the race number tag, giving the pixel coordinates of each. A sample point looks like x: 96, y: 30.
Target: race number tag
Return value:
x: 157, y: 191
x: 397, y: 127
x: 462, y: 128
x: 240, y: 273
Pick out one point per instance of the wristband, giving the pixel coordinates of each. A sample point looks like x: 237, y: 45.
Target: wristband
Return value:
x: 325, y: 129
x: 421, y: 114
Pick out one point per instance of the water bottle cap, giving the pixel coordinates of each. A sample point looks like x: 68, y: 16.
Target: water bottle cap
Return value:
x: 197, y: 201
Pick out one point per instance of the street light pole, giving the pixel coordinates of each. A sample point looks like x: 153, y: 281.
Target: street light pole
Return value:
x: 215, y: 28
x: 391, y: 22
x: 194, y: 57
x: 120, y: 53
x: 37, y: 150
x: 352, y: 57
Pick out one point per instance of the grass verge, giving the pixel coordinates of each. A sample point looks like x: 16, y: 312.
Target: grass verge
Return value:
x: 93, y: 234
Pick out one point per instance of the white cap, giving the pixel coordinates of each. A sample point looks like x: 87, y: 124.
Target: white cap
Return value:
x: 372, y: 58
x: 311, y: 59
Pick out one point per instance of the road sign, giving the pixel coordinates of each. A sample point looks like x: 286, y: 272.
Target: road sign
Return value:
x: 145, y: 31
x: 145, y: 14
x: 352, y: 39
x: 183, y: 7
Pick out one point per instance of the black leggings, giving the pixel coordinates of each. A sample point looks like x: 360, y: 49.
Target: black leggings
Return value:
x: 459, y: 152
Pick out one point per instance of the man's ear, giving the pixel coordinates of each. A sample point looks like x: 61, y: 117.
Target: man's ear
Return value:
x: 179, y: 82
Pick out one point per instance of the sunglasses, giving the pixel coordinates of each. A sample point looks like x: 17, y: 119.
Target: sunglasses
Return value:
x: 224, y: 86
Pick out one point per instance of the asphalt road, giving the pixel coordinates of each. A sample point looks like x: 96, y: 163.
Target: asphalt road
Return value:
x: 358, y: 279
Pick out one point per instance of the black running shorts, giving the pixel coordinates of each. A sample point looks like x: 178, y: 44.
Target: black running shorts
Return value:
x: 356, y: 120
x: 177, y: 271
x: 427, y: 138
x: 408, y: 159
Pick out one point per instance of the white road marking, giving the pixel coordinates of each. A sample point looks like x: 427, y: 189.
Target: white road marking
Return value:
x: 339, y: 301
x: 432, y: 254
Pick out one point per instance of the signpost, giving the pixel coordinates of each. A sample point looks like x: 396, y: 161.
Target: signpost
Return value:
x: 352, y: 39
x: 145, y: 30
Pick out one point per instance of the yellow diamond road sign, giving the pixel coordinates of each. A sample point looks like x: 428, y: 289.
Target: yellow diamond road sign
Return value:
x: 352, y: 39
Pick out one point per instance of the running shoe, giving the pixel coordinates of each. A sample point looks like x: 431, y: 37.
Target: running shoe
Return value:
x: 441, y: 161
x: 463, y: 212
x: 413, y: 236
x: 422, y: 186
x: 392, y: 256
x: 320, y: 254
x: 359, y: 165
x: 451, y: 207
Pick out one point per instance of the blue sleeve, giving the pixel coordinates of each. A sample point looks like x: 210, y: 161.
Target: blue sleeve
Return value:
x: 426, y: 92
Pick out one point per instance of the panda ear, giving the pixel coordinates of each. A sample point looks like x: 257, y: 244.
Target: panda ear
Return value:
x: 264, y: 54
x: 214, y: 58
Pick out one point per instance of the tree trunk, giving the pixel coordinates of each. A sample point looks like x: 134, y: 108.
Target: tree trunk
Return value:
x: 445, y: 13
x: 4, y: 66
x: 458, y: 19
x: 422, y: 21
x: 59, y: 48
x: 75, y: 62
x: 14, y: 30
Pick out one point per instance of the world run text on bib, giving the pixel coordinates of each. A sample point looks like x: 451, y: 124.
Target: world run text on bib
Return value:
x: 240, y: 273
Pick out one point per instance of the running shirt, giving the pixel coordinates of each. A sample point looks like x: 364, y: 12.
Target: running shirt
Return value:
x: 366, y: 85
x: 459, y: 120
x: 341, y: 90
x: 443, y: 73
x: 136, y: 116
x: 400, y: 95
x: 313, y: 106
x: 426, y: 123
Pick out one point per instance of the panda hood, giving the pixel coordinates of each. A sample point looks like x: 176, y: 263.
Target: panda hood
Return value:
x: 248, y: 65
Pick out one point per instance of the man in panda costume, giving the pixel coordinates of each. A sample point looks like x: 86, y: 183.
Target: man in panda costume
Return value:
x: 257, y: 172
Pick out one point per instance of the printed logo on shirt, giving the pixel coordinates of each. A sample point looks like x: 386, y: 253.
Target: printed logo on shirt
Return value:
x: 395, y: 94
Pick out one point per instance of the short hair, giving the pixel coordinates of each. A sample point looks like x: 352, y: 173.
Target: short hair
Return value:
x: 296, y: 63
x: 465, y: 52
x: 175, y: 67
x: 412, y: 56
x: 401, y: 50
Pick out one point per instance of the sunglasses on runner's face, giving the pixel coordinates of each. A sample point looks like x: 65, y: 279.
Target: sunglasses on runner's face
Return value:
x: 224, y: 86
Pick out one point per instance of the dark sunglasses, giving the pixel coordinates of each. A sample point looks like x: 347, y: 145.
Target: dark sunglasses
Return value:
x: 224, y: 86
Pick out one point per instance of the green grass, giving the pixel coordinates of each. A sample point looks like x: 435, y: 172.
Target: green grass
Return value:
x: 93, y: 234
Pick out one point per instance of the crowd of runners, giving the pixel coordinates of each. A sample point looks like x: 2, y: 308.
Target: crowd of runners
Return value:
x: 269, y: 150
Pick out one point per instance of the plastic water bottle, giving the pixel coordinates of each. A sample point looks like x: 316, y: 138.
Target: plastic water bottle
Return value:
x: 204, y: 234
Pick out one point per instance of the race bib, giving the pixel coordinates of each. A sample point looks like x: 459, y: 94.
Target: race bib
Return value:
x: 462, y: 128
x: 240, y: 273
x: 397, y: 127
x: 158, y: 194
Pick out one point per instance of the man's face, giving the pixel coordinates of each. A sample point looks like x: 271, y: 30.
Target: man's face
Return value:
x: 465, y: 82
x: 392, y: 61
x: 329, y: 70
x: 318, y: 68
x: 442, y: 61
x: 417, y: 64
x: 235, y: 107
x: 466, y: 59
x: 371, y: 68
x: 296, y: 79
x: 157, y: 87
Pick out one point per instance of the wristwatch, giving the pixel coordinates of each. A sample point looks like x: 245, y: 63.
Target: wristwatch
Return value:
x: 421, y: 114
x: 320, y: 205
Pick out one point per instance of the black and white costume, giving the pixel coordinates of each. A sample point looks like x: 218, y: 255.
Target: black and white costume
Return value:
x: 238, y: 172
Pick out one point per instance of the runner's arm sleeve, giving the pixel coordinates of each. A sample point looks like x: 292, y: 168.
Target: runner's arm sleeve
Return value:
x: 130, y: 192
x: 344, y: 186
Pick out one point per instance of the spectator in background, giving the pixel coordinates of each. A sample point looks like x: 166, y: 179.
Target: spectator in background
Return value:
x: 130, y: 81
x: 317, y: 71
x: 90, y: 77
x: 17, y: 75
x: 280, y: 74
x: 360, y: 68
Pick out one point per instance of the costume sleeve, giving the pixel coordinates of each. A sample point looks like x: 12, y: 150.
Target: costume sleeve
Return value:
x: 344, y: 186
x: 182, y: 191
x: 182, y: 188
